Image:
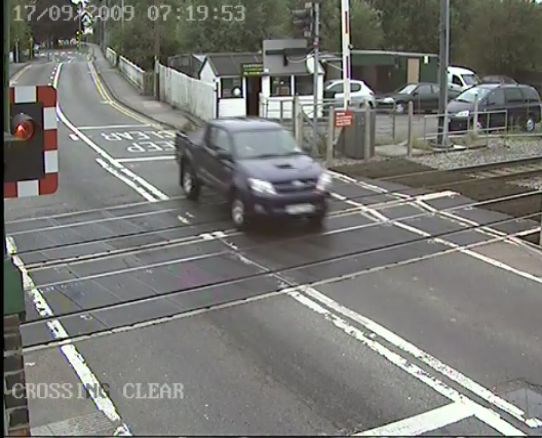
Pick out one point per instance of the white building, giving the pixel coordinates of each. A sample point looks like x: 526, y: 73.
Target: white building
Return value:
x: 249, y: 84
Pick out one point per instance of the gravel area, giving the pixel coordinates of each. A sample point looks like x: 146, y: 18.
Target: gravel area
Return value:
x: 532, y: 183
x: 515, y: 149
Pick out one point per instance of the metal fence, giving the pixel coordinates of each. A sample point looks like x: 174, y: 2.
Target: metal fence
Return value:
x: 192, y: 95
x: 397, y: 128
x: 112, y: 56
x: 135, y: 74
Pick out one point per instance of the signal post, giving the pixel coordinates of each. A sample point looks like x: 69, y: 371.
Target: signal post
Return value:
x: 30, y: 169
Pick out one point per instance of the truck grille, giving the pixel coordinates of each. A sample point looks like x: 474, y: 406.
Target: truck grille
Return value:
x: 299, y: 185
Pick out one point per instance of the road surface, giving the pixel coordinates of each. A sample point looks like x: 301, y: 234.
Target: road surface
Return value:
x: 393, y: 320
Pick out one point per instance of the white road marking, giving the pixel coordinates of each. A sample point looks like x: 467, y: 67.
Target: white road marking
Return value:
x: 282, y: 289
x: 183, y: 220
x: 15, y: 78
x: 422, y: 423
x: 152, y: 158
x: 414, y: 230
x: 113, y: 166
x: 75, y: 359
x: 487, y: 230
x: 126, y: 180
x: 424, y: 357
x: 489, y: 417
x: 106, y: 127
x: 81, y: 212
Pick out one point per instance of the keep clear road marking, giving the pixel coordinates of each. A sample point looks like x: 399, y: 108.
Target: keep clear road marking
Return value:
x: 102, y: 402
x: 151, y: 158
x: 110, y: 164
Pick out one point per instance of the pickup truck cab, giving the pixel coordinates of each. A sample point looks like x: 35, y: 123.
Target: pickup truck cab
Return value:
x: 257, y: 166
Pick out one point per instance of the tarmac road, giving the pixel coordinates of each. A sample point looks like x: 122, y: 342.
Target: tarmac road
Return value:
x: 397, y: 325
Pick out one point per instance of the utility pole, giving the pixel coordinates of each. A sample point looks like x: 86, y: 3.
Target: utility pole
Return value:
x: 122, y: 27
x: 156, y: 55
x: 316, y: 74
x: 443, y: 72
x: 345, y: 20
x: 7, y: 46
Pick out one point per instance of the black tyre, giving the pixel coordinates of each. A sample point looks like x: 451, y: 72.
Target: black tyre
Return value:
x: 530, y: 123
x: 239, y: 213
x: 189, y: 181
x: 317, y: 221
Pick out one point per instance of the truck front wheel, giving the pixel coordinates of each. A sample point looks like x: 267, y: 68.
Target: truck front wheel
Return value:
x: 189, y: 181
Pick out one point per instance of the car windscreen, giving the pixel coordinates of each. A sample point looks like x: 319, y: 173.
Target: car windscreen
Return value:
x: 469, y: 95
x: 408, y: 89
x: 264, y: 144
x: 470, y: 79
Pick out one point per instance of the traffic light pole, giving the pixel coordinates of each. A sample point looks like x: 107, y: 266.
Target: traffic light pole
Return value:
x: 316, y: 75
x: 15, y: 402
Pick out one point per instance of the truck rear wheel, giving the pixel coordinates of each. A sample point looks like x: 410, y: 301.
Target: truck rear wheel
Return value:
x: 189, y: 181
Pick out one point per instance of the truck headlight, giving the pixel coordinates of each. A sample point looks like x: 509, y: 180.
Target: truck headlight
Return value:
x: 463, y: 114
x: 324, y: 182
x: 261, y: 186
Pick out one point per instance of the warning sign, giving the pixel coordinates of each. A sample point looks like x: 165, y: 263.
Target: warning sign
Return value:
x: 344, y: 119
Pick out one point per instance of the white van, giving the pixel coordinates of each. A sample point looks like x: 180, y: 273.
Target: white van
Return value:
x: 459, y: 78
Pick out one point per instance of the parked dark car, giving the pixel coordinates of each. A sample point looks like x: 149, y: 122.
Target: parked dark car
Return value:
x: 500, y: 106
x: 424, y: 95
x: 257, y: 166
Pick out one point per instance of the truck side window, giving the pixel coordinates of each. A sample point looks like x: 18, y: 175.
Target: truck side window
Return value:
x: 456, y: 80
x: 496, y: 98
x: 514, y: 96
x: 222, y: 141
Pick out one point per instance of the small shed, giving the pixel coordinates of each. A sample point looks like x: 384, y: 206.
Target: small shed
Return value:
x: 288, y: 72
x: 189, y: 64
x: 238, y: 80
x: 386, y: 71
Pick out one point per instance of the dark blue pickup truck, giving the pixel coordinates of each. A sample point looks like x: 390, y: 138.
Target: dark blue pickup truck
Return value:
x: 257, y: 166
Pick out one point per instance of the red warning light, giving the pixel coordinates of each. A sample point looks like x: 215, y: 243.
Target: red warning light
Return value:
x: 23, y: 127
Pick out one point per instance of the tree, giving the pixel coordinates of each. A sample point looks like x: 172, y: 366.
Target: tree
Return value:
x: 20, y: 33
x: 48, y: 27
x: 503, y: 38
x: 366, y: 26
x: 409, y: 25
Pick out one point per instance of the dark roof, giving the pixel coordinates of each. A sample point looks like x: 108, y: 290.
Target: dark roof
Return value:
x: 246, y: 123
x: 230, y: 64
x: 391, y: 53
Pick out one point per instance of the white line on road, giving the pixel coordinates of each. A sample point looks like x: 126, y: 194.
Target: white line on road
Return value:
x: 94, y: 221
x: 104, y: 127
x: 152, y: 193
x: 464, y: 250
x: 74, y: 137
x: 421, y: 355
x: 422, y: 423
x: 75, y: 359
x: 15, y: 78
x: 109, y: 168
x: 489, y: 417
x: 151, y: 158
x: 455, y: 218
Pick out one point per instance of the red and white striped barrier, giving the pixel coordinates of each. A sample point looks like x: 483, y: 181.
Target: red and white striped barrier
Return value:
x: 47, y: 96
